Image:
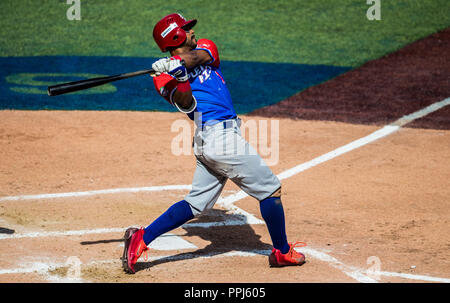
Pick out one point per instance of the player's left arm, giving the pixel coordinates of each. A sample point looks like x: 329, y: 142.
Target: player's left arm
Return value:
x: 206, y: 52
x: 195, y: 57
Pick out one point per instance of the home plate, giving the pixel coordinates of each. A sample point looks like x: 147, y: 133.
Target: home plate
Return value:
x: 169, y: 242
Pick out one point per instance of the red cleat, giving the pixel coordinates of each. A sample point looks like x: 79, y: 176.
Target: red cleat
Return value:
x: 292, y: 257
x: 134, y: 247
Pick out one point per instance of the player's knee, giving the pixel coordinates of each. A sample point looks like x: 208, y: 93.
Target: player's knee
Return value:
x: 195, y: 211
x: 276, y: 194
x: 273, y: 196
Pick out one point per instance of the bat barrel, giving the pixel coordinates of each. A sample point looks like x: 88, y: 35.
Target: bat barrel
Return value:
x: 70, y: 87
x: 65, y: 88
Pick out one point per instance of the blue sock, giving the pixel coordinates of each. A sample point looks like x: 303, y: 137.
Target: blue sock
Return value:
x: 273, y: 214
x: 178, y: 214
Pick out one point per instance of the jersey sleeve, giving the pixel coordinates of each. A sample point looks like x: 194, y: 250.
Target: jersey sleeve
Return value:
x: 165, y: 85
x: 211, y: 48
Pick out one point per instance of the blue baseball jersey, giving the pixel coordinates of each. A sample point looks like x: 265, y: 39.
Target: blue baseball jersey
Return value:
x: 209, y: 88
x: 212, y: 100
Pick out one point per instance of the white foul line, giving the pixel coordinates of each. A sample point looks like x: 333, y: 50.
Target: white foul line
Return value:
x: 383, y: 132
x: 422, y: 113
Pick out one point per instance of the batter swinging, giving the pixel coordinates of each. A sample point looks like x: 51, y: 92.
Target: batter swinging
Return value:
x: 192, y: 81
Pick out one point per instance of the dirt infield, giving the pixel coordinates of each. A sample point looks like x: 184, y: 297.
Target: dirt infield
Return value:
x: 381, y: 90
x: 377, y: 212
x: 388, y: 199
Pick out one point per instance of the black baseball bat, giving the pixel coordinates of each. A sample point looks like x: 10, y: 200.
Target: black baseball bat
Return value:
x: 69, y: 87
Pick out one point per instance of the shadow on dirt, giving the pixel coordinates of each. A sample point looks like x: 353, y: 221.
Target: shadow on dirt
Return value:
x: 101, y: 241
x: 4, y: 230
x: 236, y: 236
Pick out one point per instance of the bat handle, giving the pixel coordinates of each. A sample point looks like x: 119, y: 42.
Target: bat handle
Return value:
x: 153, y: 73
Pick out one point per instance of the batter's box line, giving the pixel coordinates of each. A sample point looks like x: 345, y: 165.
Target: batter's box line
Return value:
x: 97, y: 192
x: 83, y: 232
x: 356, y: 273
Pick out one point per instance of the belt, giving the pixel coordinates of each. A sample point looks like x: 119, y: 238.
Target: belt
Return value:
x: 223, y: 124
x: 228, y: 124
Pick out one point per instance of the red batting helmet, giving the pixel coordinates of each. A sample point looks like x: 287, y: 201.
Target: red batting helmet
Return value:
x: 170, y: 31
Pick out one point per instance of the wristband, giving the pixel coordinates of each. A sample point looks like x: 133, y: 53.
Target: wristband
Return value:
x: 184, y: 86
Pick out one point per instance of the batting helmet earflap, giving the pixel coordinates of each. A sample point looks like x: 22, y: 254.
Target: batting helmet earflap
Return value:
x: 170, y: 31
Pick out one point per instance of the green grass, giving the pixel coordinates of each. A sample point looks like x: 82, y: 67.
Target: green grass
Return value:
x: 332, y: 32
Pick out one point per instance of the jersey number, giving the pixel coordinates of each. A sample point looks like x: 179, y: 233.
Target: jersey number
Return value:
x: 205, y: 74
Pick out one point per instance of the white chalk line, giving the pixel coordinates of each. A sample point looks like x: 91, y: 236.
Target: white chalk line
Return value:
x: 422, y: 113
x: 83, y: 232
x: 378, y: 134
x: 61, y: 233
x: 353, y: 272
x: 44, y: 269
x: 333, y: 262
x: 411, y: 276
x: 228, y: 202
x: 97, y: 192
x: 45, y: 234
x: 249, y: 218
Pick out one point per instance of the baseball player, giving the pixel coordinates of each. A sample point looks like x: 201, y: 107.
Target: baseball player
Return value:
x: 192, y: 81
